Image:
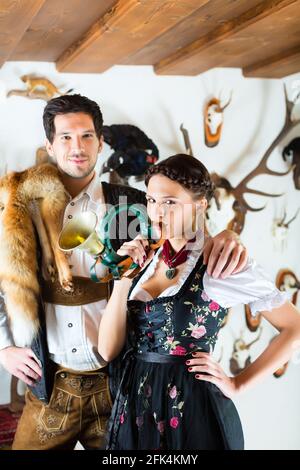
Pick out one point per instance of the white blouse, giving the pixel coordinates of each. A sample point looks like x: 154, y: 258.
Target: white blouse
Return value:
x: 252, y: 286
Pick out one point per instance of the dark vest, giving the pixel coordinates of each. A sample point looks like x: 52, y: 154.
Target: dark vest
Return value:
x: 43, y: 389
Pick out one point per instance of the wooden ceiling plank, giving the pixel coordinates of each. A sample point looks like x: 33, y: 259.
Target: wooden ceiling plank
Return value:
x: 188, y: 60
x: 277, y: 66
x: 127, y: 27
x: 205, y: 19
x: 15, y: 18
x: 57, y: 25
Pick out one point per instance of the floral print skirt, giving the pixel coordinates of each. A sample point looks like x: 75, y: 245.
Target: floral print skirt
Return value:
x: 165, y: 407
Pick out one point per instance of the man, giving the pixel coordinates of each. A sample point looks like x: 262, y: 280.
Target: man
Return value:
x: 69, y: 398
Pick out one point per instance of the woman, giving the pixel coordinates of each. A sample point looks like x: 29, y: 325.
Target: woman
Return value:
x: 173, y: 394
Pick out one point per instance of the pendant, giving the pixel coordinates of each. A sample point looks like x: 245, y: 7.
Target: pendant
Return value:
x: 170, y: 273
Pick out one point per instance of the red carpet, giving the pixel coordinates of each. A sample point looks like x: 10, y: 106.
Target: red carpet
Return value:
x: 8, y: 425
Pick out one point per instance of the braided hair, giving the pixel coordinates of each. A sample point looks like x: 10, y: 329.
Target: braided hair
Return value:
x: 187, y: 171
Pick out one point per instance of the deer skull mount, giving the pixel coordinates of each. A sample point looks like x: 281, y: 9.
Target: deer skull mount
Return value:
x: 291, y: 154
x: 240, y: 357
x: 252, y: 322
x: 280, y: 230
x: 213, y: 121
x: 287, y: 281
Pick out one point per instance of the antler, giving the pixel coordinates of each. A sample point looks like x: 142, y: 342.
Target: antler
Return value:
x: 281, y: 221
x: 187, y: 141
x: 248, y: 346
x: 286, y: 224
x: 227, y: 104
x: 262, y: 167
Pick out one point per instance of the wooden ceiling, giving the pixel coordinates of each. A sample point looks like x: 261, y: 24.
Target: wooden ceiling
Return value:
x: 179, y: 37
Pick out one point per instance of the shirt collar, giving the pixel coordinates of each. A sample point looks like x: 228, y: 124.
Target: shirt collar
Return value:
x: 93, y: 191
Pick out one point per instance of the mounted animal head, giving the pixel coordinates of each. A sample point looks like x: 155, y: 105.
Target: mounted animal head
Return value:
x: 287, y: 281
x: 232, y: 199
x: 291, y: 154
x: 213, y: 121
x: 240, y: 357
x: 133, y: 153
x: 280, y: 229
x: 252, y: 322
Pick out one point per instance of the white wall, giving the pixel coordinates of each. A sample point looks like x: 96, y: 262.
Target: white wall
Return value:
x: 158, y: 105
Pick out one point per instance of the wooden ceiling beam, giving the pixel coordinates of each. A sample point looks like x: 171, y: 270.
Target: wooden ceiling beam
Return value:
x: 189, y: 60
x: 277, y: 66
x: 15, y: 19
x: 127, y: 27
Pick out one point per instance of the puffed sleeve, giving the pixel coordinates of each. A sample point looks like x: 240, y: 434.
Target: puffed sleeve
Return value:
x: 252, y: 287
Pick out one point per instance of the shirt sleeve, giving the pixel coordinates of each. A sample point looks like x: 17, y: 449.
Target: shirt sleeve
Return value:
x: 252, y: 287
x: 5, y: 333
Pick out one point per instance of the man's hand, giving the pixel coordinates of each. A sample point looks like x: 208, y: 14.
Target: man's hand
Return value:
x: 224, y: 254
x: 22, y: 363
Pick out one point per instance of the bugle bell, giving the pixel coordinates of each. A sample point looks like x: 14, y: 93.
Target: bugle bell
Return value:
x: 85, y: 233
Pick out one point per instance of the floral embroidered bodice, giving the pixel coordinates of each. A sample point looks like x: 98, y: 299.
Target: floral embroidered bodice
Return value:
x: 177, y: 324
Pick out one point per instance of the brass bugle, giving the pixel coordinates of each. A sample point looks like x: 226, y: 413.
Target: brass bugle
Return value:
x: 80, y: 233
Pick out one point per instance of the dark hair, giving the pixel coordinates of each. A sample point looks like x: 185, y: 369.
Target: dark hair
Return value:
x: 71, y: 104
x: 187, y: 171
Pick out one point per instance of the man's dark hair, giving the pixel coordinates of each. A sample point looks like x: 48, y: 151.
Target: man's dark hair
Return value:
x: 71, y: 104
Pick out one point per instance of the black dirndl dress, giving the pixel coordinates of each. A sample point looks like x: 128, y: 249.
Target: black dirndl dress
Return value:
x: 159, y: 405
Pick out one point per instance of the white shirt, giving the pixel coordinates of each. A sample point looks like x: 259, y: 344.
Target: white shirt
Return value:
x: 72, y: 332
x: 251, y: 286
